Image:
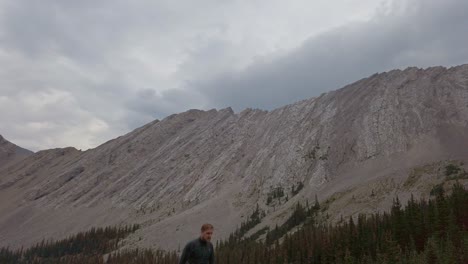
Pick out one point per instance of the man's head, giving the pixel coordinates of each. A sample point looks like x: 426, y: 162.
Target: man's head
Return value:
x: 206, y: 232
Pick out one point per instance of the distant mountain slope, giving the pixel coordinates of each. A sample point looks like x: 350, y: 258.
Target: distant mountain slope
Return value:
x: 170, y: 176
x: 10, y: 152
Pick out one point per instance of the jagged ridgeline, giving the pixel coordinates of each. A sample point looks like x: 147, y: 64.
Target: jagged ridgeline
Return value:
x: 433, y: 231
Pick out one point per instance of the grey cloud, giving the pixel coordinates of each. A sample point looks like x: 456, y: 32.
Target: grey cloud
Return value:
x: 147, y: 105
x: 427, y: 33
x: 53, y: 117
x: 83, y: 30
x: 78, y: 49
x: 119, y: 64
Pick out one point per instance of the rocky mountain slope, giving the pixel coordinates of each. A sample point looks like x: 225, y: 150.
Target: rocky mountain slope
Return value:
x: 10, y: 152
x: 215, y: 166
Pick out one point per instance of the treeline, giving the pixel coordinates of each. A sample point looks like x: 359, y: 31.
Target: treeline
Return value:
x: 143, y: 256
x: 307, y: 215
x: 228, y: 251
x: 254, y: 219
x: 84, y: 247
x: 423, y: 231
x: 434, y: 231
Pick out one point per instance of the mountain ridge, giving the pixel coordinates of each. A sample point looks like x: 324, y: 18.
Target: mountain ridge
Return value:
x: 10, y: 153
x: 216, y: 165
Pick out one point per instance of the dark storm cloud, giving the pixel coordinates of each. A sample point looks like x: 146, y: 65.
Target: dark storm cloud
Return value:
x: 425, y: 33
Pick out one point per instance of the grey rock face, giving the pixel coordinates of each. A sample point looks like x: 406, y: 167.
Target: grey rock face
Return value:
x: 217, y: 165
x: 10, y: 152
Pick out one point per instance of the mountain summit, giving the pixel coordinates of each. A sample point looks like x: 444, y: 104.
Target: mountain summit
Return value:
x: 355, y: 148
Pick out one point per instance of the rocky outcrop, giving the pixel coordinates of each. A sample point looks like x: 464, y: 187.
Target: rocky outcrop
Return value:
x: 10, y: 152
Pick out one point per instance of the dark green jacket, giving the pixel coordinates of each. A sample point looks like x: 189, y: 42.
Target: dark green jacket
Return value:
x: 198, y: 251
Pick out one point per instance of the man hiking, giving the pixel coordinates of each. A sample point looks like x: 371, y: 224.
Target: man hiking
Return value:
x: 199, y: 250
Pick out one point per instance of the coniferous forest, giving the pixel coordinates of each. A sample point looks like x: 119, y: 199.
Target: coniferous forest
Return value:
x: 422, y: 231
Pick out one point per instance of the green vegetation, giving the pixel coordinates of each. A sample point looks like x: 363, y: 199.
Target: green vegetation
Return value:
x: 87, y: 247
x: 299, y: 216
x: 278, y: 193
x: 295, y: 190
x: 424, y: 231
x: 452, y: 169
x: 434, y: 231
x: 251, y: 222
x: 312, y: 154
x: 437, y: 190
x: 455, y: 172
x: 142, y: 256
x: 275, y: 193
x: 260, y: 232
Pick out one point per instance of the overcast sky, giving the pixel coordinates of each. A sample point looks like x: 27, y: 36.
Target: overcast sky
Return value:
x: 79, y: 73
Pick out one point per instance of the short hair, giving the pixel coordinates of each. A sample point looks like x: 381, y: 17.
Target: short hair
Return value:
x: 205, y: 227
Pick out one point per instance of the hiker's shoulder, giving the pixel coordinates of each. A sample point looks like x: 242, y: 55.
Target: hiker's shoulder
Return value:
x: 193, y: 242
